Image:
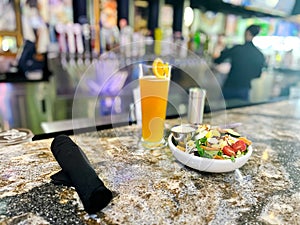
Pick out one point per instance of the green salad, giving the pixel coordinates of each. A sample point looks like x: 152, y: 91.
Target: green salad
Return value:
x: 216, y: 143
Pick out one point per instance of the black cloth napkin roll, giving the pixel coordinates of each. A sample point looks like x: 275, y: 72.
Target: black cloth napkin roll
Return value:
x: 78, y: 172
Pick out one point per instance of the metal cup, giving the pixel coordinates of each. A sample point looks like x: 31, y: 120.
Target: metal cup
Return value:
x: 196, y: 105
x: 182, y: 134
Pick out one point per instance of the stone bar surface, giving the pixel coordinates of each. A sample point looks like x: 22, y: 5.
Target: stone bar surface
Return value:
x: 151, y: 187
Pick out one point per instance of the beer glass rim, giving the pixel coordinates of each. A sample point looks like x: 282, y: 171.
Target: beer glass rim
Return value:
x: 143, y: 66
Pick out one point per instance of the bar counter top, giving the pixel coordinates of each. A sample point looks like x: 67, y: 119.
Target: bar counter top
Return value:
x: 152, y: 187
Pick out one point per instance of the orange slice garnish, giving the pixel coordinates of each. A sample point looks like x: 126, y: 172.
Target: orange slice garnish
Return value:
x: 160, y: 69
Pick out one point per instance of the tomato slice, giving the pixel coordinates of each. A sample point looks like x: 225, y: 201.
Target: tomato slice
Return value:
x: 239, y: 146
x: 227, y: 150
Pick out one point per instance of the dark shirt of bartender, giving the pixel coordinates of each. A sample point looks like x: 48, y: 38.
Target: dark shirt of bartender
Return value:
x: 246, y: 61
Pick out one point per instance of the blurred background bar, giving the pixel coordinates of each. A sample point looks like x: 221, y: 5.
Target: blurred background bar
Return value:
x: 81, y: 65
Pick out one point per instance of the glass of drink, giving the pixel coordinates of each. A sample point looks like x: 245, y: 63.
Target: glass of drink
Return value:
x: 154, y: 89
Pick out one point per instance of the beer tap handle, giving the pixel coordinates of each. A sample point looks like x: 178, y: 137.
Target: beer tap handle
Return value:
x: 60, y: 29
x: 78, y: 36
x: 71, y: 39
x: 87, y: 37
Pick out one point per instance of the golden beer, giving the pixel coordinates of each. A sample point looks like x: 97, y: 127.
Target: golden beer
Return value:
x: 154, y: 99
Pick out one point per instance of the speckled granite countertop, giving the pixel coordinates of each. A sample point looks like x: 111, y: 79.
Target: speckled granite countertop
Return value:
x: 151, y: 187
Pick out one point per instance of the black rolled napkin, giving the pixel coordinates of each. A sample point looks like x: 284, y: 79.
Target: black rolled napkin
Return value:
x: 61, y: 178
x: 78, y: 172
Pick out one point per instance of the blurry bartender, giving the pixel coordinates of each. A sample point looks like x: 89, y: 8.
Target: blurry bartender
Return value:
x: 246, y: 61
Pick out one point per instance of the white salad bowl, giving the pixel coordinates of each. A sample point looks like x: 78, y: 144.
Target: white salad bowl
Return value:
x: 205, y: 164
